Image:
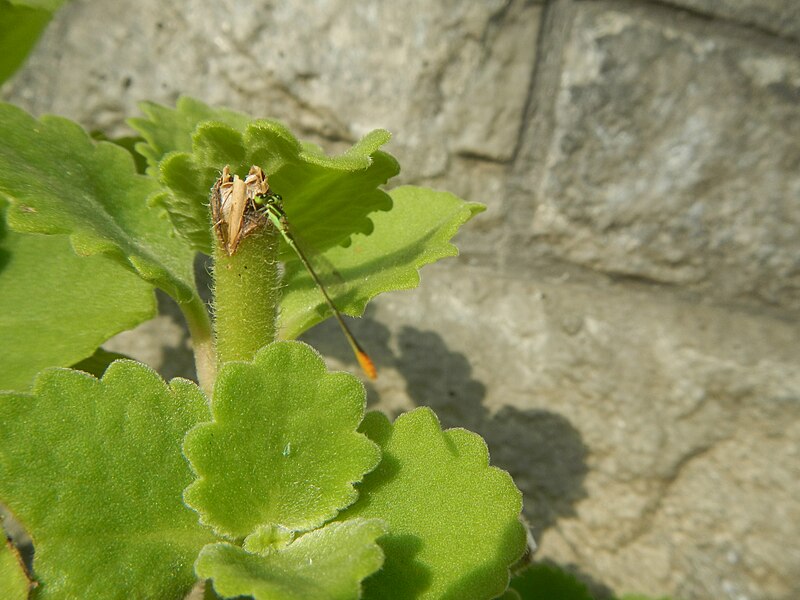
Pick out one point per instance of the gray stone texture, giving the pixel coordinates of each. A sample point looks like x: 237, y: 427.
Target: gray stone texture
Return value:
x: 680, y: 166
x: 779, y: 17
x: 622, y: 325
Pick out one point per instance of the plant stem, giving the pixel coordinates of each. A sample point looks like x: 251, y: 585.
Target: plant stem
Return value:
x: 205, y: 360
x: 246, y: 295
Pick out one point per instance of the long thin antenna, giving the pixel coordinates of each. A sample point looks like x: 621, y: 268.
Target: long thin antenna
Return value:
x: 278, y: 218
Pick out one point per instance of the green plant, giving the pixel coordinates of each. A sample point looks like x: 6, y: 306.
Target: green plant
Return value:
x: 266, y: 477
x: 295, y: 492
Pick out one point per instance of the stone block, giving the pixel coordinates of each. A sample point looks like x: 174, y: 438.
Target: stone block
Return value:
x: 674, y: 158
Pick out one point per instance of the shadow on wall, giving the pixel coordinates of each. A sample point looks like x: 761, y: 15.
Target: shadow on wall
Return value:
x: 541, y: 449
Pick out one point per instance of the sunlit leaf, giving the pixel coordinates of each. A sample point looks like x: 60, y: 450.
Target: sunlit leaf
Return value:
x: 14, y: 582
x: 59, y: 307
x: 454, y: 526
x: 94, y: 472
x: 166, y: 129
x: 127, y: 142
x: 324, y: 564
x: 282, y: 448
x: 416, y: 232
x: 49, y: 5
x: 61, y: 182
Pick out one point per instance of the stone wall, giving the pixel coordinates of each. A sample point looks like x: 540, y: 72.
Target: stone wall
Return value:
x: 622, y: 325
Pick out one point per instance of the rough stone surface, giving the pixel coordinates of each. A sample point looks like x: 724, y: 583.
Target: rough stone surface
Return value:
x: 776, y: 16
x: 627, y: 336
x: 679, y: 167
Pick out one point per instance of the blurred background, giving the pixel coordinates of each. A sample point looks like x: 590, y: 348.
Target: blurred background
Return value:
x: 622, y: 323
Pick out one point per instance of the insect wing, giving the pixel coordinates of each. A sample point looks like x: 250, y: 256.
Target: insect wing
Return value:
x: 237, y: 201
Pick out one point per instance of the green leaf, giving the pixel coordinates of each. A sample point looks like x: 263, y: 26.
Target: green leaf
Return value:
x: 417, y: 231
x: 542, y: 581
x: 267, y: 539
x: 21, y: 24
x: 453, y: 520
x: 282, y: 448
x: 14, y: 583
x: 60, y: 182
x: 326, y: 198
x: 59, y: 307
x: 325, y: 564
x: 94, y: 472
x: 127, y: 142
x: 168, y: 130
x: 48, y: 5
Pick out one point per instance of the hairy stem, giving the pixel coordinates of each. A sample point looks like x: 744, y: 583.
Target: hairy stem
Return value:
x: 246, y: 295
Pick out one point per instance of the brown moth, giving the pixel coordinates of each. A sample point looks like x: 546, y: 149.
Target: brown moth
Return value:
x: 233, y: 209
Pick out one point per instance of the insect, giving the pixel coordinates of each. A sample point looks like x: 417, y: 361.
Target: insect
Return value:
x: 232, y: 208
x: 240, y: 207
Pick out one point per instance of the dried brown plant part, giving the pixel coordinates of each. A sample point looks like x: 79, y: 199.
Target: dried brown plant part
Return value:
x: 256, y: 183
x: 233, y: 209
x: 236, y: 202
x: 221, y: 189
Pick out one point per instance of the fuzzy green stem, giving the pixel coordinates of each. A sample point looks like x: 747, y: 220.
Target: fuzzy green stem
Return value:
x: 199, y: 324
x: 246, y: 295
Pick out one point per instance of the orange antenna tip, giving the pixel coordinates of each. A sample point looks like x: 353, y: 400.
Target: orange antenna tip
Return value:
x: 366, y: 364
